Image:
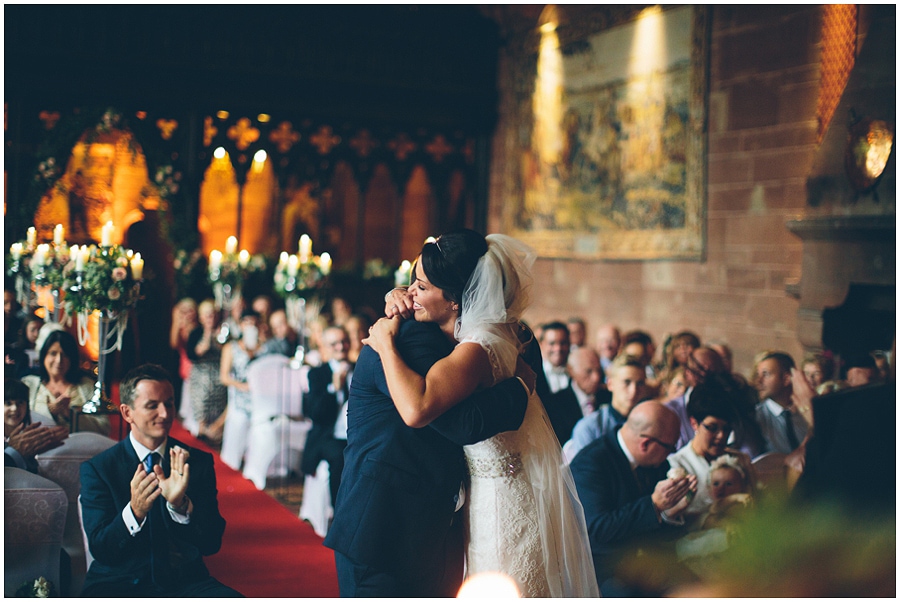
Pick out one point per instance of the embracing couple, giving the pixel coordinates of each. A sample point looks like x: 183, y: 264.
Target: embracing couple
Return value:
x: 451, y: 464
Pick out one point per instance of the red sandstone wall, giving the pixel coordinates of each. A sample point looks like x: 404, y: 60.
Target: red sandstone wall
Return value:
x: 764, y: 80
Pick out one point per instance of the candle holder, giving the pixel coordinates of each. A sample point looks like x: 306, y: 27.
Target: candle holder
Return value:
x: 301, y: 280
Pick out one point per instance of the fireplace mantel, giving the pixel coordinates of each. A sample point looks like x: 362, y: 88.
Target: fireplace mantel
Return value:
x: 839, y: 251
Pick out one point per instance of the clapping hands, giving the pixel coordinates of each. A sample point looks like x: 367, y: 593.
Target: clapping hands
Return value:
x: 35, y: 439
x: 671, y: 495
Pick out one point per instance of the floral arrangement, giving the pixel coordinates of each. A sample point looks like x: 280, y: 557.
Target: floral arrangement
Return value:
x: 231, y: 269
x: 296, y: 277
x: 103, y: 278
x: 39, y: 588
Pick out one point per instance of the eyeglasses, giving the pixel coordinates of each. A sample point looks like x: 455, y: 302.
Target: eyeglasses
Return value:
x: 715, y: 429
x: 666, y: 446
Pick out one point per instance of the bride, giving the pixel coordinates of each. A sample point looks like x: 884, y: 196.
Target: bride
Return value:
x: 524, y: 518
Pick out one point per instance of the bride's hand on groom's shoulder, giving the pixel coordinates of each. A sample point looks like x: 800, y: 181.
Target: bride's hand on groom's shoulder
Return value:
x: 524, y: 372
x: 398, y: 302
x: 382, y: 333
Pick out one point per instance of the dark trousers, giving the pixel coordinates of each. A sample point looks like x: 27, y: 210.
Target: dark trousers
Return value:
x: 207, y: 587
x: 333, y: 453
x: 414, y: 580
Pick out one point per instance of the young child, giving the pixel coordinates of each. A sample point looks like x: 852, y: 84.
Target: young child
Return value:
x: 730, y: 488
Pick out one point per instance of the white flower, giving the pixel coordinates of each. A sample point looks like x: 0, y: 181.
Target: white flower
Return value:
x: 676, y: 472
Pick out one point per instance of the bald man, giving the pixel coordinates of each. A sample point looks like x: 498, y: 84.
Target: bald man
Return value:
x: 607, y: 345
x: 583, y: 395
x: 627, y: 498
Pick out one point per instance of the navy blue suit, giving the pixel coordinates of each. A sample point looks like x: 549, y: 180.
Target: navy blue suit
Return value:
x: 617, y: 506
x: 395, y: 512
x: 122, y: 562
x: 323, y: 409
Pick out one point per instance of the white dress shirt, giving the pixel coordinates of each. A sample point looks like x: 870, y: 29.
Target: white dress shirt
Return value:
x: 557, y: 377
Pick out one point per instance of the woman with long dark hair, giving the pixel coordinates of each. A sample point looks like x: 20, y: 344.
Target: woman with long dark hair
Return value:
x: 61, y: 388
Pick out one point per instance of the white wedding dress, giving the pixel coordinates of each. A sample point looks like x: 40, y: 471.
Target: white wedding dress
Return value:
x: 524, y: 518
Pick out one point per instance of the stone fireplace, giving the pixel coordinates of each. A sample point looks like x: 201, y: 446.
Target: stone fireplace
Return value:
x: 847, y: 291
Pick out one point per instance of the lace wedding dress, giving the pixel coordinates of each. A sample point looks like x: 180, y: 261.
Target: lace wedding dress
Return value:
x: 524, y: 518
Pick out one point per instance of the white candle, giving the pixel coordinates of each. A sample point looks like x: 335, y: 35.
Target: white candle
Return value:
x: 215, y: 260
x: 244, y: 257
x: 401, y: 276
x: 106, y: 234
x: 325, y: 263
x: 31, y: 237
x: 16, y: 250
x: 84, y: 255
x: 293, y: 265
x: 40, y: 255
x: 282, y: 261
x: 305, y: 248
x: 137, y: 267
x: 59, y: 235
x: 231, y: 245
x: 73, y: 253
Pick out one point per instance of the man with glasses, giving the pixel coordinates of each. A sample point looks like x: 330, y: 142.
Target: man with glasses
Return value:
x: 712, y: 418
x: 629, y: 503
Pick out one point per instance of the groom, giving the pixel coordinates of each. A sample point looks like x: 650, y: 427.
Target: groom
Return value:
x: 396, y: 530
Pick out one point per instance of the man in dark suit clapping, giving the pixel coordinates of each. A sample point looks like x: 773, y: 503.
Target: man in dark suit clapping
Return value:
x: 149, y: 504
x: 326, y: 406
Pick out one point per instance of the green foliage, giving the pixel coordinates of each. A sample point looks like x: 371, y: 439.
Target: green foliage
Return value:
x: 106, y: 283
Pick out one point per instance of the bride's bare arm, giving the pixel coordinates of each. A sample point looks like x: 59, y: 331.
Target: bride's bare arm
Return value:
x: 419, y: 400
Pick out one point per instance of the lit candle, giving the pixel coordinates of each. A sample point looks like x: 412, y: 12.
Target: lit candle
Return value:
x: 293, y: 265
x: 31, y: 237
x: 231, y: 245
x: 244, y: 258
x: 305, y: 248
x: 84, y: 255
x: 137, y: 267
x: 73, y: 253
x: 106, y: 234
x: 282, y: 262
x: 40, y: 254
x: 325, y: 263
x: 16, y: 250
x: 215, y: 260
x: 59, y: 235
x: 401, y: 276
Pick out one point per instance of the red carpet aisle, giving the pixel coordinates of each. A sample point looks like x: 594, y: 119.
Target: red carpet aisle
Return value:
x: 267, y: 551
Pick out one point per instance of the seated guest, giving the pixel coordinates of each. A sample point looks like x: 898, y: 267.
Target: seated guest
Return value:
x: 628, y: 500
x: 861, y: 370
x: 712, y: 416
x: 555, y: 347
x: 149, y: 504
x: 357, y: 327
x: 577, y: 332
x: 730, y: 489
x: 61, y: 388
x: 782, y: 429
x: 24, y: 352
x: 626, y: 388
x: 639, y: 344
x: 581, y: 396
x: 282, y: 339
x: 702, y: 363
x: 326, y: 406
x: 724, y: 352
x: 23, y: 440
x: 817, y: 368
x: 608, y: 343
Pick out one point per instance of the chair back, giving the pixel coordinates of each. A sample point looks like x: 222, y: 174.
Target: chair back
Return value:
x: 771, y: 472
x: 276, y: 389
x: 34, y: 519
x: 62, y: 465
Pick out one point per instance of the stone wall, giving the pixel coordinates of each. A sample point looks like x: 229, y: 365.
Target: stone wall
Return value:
x: 764, y: 78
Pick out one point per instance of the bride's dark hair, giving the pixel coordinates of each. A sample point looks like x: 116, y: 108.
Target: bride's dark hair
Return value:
x: 449, y: 262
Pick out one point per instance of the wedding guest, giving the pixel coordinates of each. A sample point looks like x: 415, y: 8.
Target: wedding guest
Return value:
x: 817, y: 368
x: 23, y: 354
x: 782, y: 428
x: 577, y: 332
x: 282, y: 339
x: 235, y: 420
x: 207, y: 393
x: 184, y: 321
x: 23, y: 440
x: 607, y: 345
x: 262, y: 305
x: 61, y: 388
x: 730, y: 490
x: 357, y: 327
x: 149, y: 504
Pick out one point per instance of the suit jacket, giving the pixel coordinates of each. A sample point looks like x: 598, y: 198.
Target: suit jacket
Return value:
x: 564, y: 412
x: 322, y: 408
x: 617, y: 509
x: 119, y: 557
x: 400, y: 485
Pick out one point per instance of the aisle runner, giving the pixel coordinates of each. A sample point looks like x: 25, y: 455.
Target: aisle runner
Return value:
x: 267, y: 551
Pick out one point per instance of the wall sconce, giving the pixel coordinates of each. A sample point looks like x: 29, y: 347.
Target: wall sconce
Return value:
x: 869, y: 146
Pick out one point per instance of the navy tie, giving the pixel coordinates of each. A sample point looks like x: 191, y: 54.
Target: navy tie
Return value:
x: 158, y: 556
x: 151, y: 460
x: 789, y: 428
